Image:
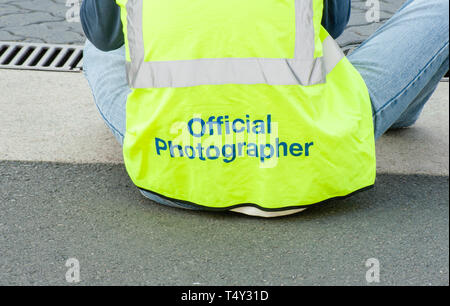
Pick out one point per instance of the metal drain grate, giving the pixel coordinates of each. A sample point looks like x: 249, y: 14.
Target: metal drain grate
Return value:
x: 17, y: 55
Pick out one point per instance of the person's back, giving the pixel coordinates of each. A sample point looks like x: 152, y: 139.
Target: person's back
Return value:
x: 103, y: 27
x: 182, y: 76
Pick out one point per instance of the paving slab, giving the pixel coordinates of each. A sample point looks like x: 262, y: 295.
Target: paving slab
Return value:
x: 51, y: 116
x: 41, y: 21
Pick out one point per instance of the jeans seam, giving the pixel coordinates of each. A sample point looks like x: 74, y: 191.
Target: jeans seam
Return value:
x: 405, y: 89
x: 99, y: 110
x: 108, y: 123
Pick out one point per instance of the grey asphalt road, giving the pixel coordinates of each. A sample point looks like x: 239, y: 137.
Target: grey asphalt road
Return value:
x: 51, y: 212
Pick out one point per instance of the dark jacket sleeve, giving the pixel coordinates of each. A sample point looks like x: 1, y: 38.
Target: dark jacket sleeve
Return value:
x: 102, y: 25
x: 336, y: 15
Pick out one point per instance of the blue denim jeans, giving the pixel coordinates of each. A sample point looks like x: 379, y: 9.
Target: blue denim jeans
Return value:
x: 401, y: 63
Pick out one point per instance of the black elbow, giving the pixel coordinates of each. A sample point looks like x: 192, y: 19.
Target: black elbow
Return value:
x: 104, y: 31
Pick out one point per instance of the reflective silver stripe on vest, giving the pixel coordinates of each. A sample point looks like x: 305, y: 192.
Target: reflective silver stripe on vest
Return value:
x: 303, y: 69
x: 135, y: 44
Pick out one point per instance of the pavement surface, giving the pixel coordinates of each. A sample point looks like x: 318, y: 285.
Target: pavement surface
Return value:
x: 64, y: 193
x: 41, y: 21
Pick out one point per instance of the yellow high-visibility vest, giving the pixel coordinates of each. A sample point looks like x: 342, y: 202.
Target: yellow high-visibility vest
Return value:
x: 243, y: 104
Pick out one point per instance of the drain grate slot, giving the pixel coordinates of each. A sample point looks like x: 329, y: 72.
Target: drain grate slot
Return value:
x: 22, y: 56
x: 2, y: 50
x: 77, y: 61
x: 52, y: 55
x: 33, y: 61
x: 9, y: 55
x: 63, y: 61
x: 14, y: 55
